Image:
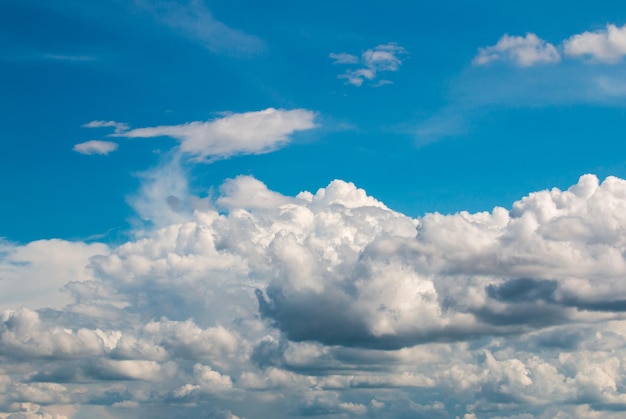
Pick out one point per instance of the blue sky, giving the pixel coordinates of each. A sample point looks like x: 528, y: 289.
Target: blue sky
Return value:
x: 162, y: 160
x: 492, y: 133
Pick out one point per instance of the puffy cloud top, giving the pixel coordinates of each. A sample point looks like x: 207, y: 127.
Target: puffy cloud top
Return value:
x: 523, y: 51
x: 608, y: 45
x: 330, y: 299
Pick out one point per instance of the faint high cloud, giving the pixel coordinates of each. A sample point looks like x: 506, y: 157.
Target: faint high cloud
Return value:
x: 383, y: 58
x: 70, y: 58
x: 95, y: 147
x: 234, y: 134
x: 195, y: 21
x: 607, y: 45
x: 523, y: 51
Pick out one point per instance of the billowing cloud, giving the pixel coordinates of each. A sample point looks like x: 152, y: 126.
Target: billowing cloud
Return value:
x: 330, y: 303
x: 523, y: 51
x: 34, y: 274
x: 240, y: 133
x: 95, y: 147
x: 385, y: 57
x: 608, y: 45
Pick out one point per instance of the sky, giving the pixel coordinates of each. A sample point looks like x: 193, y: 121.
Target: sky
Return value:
x: 224, y: 209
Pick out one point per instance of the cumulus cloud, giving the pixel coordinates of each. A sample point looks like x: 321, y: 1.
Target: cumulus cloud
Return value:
x: 243, y: 133
x: 608, y: 45
x: 34, y: 274
x: 523, y: 51
x: 385, y: 57
x: 95, y: 147
x: 331, y: 303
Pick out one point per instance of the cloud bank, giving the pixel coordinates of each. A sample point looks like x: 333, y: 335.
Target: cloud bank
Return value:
x: 328, y: 304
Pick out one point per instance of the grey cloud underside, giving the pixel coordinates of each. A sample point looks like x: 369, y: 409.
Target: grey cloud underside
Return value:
x: 328, y: 304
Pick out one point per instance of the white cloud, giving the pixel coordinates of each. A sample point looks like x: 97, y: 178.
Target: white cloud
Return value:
x: 34, y: 274
x: 118, y: 126
x: 385, y: 57
x: 523, y: 51
x: 243, y: 133
x: 95, y: 147
x: 344, y: 58
x: 358, y: 310
x: 607, y: 45
x: 163, y: 198
x: 193, y: 20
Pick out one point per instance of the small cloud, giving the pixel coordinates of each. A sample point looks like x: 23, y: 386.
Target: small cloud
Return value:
x: 118, y: 126
x: 607, y: 45
x: 382, y: 82
x: 344, y: 58
x: 523, y: 51
x: 243, y: 133
x: 95, y: 147
x: 384, y: 57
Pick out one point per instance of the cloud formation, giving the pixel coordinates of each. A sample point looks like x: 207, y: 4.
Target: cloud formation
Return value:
x: 523, y: 51
x: 385, y: 57
x: 608, y: 45
x: 244, y: 133
x: 95, y: 147
x: 329, y: 303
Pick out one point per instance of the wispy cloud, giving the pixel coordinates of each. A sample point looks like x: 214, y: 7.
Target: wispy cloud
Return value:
x: 523, y: 51
x: 195, y: 21
x: 344, y: 58
x: 118, y: 126
x: 383, y: 58
x: 95, y: 147
x: 608, y: 45
x: 244, y: 133
x: 71, y: 58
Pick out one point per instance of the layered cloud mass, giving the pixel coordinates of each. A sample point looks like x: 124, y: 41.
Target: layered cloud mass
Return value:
x: 327, y: 304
